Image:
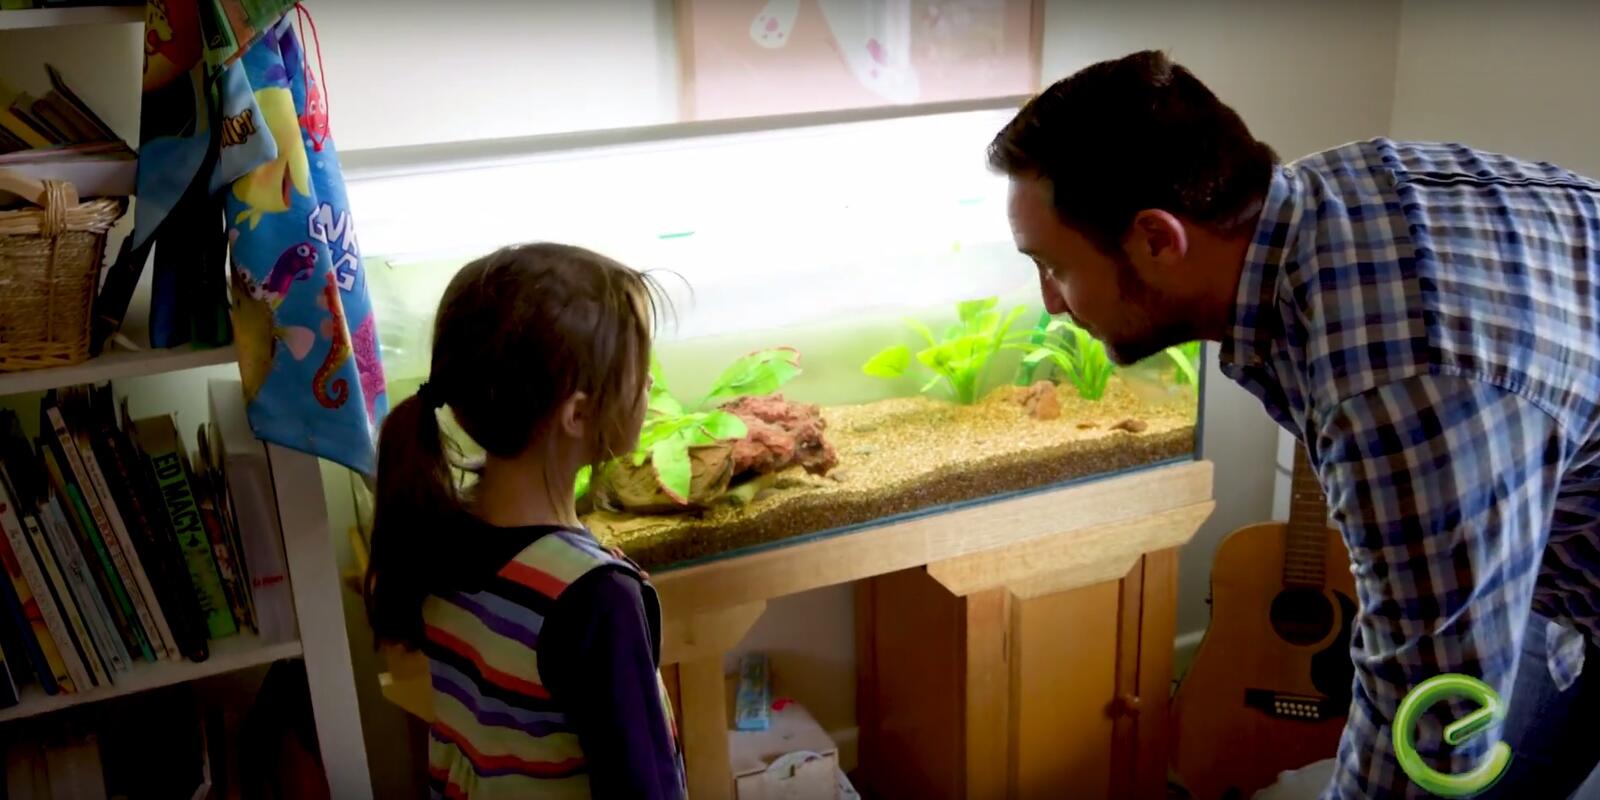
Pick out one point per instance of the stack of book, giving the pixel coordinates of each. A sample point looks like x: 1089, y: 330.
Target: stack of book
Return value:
x: 121, y: 549
x: 58, y: 137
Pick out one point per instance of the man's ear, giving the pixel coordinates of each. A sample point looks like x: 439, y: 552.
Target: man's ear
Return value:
x: 1157, y: 238
x: 573, y: 416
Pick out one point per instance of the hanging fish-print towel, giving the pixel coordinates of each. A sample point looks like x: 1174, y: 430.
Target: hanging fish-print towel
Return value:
x: 303, y: 324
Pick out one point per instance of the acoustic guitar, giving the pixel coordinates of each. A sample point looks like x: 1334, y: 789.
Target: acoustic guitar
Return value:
x: 1270, y: 685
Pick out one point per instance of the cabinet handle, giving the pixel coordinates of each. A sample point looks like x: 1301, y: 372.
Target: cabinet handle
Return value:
x: 1125, y: 705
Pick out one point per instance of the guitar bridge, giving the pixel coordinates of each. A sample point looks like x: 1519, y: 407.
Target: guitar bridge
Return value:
x: 1282, y: 705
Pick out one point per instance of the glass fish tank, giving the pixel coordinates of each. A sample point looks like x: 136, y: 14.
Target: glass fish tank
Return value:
x: 852, y: 337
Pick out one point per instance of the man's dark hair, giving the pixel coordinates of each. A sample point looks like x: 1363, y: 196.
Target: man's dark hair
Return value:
x: 1138, y: 132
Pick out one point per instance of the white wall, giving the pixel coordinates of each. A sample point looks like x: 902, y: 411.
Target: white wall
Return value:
x: 1517, y: 78
x: 408, y: 72
x: 1305, y: 76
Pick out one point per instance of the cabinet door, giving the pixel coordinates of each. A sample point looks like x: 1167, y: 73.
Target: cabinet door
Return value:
x: 1065, y: 736
x: 1093, y: 675
x: 1060, y: 695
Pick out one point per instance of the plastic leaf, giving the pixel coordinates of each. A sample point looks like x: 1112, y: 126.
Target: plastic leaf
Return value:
x: 721, y: 425
x: 580, y: 486
x: 758, y: 373
x: 670, y: 458
x: 891, y: 362
x: 927, y: 333
x: 968, y: 309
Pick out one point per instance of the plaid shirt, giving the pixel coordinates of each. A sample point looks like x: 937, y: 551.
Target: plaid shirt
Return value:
x: 1427, y: 319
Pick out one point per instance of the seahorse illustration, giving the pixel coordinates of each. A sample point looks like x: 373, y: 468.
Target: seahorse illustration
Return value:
x: 365, y: 342
x: 332, y: 394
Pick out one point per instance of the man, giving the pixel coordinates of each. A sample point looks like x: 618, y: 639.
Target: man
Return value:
x: 1425, y: 317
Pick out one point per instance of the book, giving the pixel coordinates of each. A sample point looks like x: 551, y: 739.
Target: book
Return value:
x: 93, y: 548
x: 102, y: 625
x: 25, y: 658
x: 164, y: 451
x: 136, y: 494
x: 246, y: 475
x: 132, y: 595
x: 42, y: 624
x: 230, y: 558
x: 76, y: 409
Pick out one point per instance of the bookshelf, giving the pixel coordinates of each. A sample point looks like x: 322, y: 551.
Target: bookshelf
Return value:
x: 115, y: 365
x: 237, y: 652
x: 313, y: 573
x: 18, y: 19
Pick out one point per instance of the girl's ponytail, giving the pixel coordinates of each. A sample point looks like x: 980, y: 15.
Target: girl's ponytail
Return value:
x: 416, y: 495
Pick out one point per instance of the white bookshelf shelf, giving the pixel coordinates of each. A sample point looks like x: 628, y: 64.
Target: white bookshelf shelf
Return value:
x: 17, y: 19
x: 114, y: 365
x: 237, y: 652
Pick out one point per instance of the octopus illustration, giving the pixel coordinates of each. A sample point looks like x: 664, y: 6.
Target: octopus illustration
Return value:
x: 332, y: 392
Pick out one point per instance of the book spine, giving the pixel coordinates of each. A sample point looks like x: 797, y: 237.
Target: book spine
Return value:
x: 149, y: 640
x: 49, y: 627
x: 189, y: 625
x: 168, y: 577
x: 186, y: 524
x: 61, y: 593
x: 150, y: 616
x: 104, y: 573
x: 102, y: 626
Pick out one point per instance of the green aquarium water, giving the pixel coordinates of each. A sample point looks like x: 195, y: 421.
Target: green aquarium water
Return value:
x: 855, y: 336
x: 919, y: 410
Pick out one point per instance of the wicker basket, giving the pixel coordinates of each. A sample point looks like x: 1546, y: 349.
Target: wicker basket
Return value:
x: 49, y: 270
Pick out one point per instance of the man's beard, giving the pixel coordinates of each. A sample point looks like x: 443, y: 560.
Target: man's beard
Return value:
x: 1160, y: 323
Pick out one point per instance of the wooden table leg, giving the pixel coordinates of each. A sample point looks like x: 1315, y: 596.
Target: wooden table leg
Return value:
x: 697, y: 644
x: 705, y: 729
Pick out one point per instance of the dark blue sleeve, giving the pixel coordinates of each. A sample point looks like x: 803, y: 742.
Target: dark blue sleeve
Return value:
x: 596, y: 657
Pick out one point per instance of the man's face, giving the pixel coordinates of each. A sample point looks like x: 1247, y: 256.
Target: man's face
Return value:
x: 1103, y: 293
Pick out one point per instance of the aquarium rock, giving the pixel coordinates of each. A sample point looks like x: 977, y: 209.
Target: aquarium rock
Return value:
x: 781, y: 433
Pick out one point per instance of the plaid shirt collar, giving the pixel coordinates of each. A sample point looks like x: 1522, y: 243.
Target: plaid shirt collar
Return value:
x: 1249, y: 342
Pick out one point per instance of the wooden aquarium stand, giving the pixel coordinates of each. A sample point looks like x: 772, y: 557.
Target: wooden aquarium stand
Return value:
x: 1016, y: 648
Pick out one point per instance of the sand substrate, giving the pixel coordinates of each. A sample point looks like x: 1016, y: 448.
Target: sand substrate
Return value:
x: 908, y: 454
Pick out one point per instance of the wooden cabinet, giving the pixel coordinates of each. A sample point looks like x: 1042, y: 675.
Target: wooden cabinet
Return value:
x: 1017, y: 648
x: 1001, y: 693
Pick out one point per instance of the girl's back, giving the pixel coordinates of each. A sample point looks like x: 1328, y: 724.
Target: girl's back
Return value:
x: 543, y: 646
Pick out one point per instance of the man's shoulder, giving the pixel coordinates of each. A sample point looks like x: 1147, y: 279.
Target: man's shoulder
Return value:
x: 1407, y: 158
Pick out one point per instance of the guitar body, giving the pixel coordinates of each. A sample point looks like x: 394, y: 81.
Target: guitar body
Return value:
x: 1269, y: 689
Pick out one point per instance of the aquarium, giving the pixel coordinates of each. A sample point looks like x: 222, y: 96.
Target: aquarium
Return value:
x: 853, y: 336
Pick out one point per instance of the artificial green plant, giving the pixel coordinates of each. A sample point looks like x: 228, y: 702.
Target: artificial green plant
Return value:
x: 671, y: 429
x: 961, y: 358
x: 1080, y: 357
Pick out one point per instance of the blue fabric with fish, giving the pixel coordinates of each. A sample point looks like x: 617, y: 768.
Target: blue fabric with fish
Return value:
x: 303, y: 324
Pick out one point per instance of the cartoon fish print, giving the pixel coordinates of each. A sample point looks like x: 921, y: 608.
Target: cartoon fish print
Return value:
x: 257, y: 334
x: 269, y: 188
x: 315, y: 120
x: 295, y: 264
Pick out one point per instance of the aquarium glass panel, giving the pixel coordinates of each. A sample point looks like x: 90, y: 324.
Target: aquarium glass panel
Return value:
x: 854, y: 336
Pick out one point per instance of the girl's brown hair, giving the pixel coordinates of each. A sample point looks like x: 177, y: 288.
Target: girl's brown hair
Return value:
x: 517, y: 333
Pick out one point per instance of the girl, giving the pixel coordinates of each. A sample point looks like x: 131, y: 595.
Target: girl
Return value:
x: 543, y: 646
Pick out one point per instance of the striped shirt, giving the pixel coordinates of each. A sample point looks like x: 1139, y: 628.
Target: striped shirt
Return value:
x: 514, y: 718
x: 1426, y: 317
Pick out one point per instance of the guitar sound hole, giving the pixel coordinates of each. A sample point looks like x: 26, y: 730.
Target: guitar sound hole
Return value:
x: 1301, y: 616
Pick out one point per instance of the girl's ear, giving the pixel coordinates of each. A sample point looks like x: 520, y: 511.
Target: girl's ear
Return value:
x: 574, y: 416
